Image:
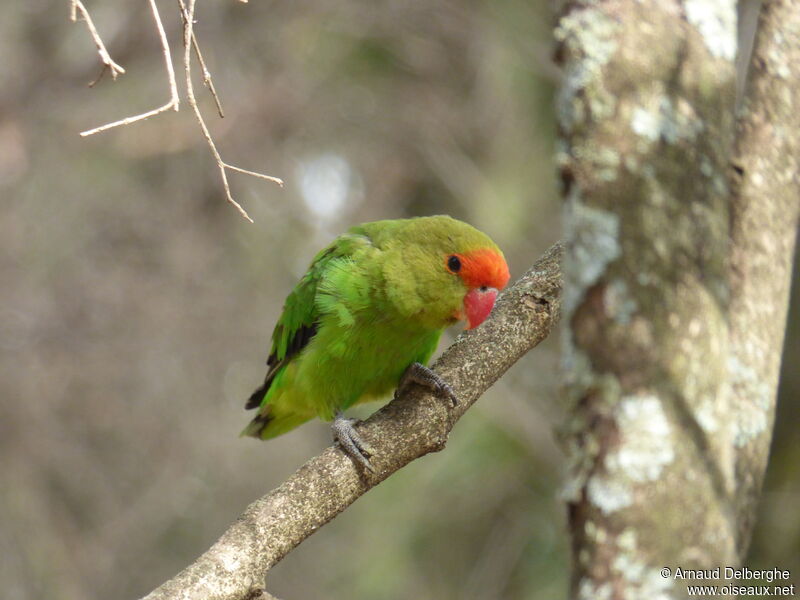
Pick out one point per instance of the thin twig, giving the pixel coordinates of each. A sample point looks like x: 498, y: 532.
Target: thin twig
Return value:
x: 190, y: 42
x: 277, y: 180
x: 207, y: 81
x: 188, y: 22
x: 115, y: 69
x: 99, y: 76
x: 174, y: 102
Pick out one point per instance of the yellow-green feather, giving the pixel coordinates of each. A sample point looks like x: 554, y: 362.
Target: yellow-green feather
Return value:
x: 376, y: 300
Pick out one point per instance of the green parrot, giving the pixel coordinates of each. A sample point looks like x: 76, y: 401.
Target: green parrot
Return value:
x: 366, y: 318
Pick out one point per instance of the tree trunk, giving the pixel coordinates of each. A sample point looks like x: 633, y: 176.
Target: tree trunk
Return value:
x: 676, y: 282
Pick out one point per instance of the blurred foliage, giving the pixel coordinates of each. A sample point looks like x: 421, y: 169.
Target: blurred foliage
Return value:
x: 136, y: 305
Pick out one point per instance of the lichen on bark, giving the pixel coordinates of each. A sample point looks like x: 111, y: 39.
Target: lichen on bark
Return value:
x: 647, y: 138
x: 679, y: 248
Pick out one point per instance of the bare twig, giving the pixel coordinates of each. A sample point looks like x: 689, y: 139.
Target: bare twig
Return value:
x: 97, y: 79
x: 190, y: 42
x: 411, y: 426
x: 188, y: 37
x: 188, y: 20
x: 174, y: 102
x: 109, y: 63
x: 207, y: 81
x: 254, y: 174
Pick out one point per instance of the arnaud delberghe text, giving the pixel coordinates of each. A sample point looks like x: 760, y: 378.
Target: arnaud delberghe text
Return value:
x: 740, y: 574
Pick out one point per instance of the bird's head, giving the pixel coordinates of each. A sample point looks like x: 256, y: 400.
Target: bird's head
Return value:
x: 484, y: 273
x: 445, y: 271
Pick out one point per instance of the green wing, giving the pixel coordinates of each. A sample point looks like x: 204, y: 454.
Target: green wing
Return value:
x: 299, y: 321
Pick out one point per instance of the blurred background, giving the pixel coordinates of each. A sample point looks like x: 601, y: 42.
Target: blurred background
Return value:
x: 136, y: 305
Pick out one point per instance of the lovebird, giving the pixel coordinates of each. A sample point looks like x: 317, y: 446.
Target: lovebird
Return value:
x: 367, y: 316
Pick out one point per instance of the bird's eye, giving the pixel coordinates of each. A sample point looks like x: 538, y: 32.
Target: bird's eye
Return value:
x: 454, y: 264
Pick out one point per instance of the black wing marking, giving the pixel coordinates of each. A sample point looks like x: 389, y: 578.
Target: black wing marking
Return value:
x: 300, y: 320
x: 300, y: 340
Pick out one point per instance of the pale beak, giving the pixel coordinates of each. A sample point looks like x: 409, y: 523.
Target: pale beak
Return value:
x: 478, y: 303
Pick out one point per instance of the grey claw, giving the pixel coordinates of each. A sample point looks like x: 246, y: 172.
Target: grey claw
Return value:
x: 419, y: 373
x: 346, y: 435
x: 444, y: 389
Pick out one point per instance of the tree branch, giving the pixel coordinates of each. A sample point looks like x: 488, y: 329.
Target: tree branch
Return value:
x: 764, y: 217
x: 407, y: 428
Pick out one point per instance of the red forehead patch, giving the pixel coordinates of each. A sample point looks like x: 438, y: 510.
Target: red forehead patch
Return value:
x: 484, y: 267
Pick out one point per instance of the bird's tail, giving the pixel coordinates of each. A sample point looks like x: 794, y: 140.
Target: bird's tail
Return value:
x: 267, y: 425
x: 257, y: 397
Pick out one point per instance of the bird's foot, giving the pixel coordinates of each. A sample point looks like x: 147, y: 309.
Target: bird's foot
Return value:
x: 419, y: 373
x: 348, y: 438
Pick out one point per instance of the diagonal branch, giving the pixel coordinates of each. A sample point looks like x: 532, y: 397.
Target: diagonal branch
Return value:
x: 407, y: 428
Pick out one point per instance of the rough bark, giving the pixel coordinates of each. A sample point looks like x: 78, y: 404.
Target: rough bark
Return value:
x: 675, y: 288
x: 764, y: 217
x: 407, y: 428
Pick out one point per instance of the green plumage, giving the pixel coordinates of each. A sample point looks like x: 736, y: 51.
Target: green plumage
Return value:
x: 372, y: 302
